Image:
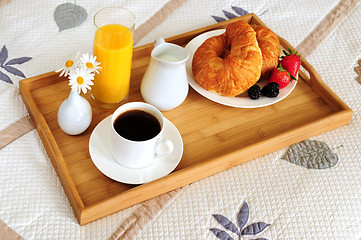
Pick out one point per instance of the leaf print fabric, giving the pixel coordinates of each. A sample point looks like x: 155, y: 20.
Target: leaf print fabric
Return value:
x: 239, y: 11
x: 243, y: 215
x: 242, y: 220
x: 18, y: 60
x: 220, y: 234
x: 68, y: 15
x: 226, y: 223
x: 255, y: 228
x: 311, y: 154
x: 8, y: 66
x: 358, y: 71
x: 3, y: 55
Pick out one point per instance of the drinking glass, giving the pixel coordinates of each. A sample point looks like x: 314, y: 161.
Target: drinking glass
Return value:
x: 113, y: 47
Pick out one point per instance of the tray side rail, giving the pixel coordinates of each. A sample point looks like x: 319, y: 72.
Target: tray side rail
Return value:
x: 55, y: 155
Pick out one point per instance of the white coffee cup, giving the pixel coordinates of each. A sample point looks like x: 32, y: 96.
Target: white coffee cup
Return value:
x: 133, y: 153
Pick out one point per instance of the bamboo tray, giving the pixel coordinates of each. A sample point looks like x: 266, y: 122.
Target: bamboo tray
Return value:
x: 216, y: 137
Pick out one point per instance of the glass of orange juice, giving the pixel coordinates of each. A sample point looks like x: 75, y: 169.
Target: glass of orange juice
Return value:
x: 113, y: 47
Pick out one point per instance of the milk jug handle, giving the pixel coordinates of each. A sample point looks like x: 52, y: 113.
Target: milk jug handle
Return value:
x: 159, y: 41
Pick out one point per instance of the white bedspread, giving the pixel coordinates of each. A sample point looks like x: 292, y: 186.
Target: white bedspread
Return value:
x: 296, y: 202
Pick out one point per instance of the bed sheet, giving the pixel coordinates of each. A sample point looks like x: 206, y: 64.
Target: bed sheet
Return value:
x: 275, y: 198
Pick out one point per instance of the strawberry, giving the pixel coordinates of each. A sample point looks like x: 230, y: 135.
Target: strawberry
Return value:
x: 291, y: 62
x: 280, y: 76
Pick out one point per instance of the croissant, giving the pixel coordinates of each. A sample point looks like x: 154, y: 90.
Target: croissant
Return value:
x: 230, y: 63
x: 270, y: 47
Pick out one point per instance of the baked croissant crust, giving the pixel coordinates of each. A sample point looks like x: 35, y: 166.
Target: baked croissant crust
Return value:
x: 270, y: 47
x: 229, y: 64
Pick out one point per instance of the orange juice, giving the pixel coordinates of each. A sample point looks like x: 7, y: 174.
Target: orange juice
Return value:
x: 113, y: 47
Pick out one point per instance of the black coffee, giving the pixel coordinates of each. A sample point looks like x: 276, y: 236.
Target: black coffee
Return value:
x: 137, y: 125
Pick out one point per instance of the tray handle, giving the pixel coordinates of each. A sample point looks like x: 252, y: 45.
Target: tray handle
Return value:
x: 314, y: 80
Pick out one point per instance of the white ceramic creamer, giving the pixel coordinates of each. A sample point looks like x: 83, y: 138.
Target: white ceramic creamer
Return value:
x: 165, y: 82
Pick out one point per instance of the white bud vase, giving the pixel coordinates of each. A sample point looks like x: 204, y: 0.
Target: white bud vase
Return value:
x: 74, y: 114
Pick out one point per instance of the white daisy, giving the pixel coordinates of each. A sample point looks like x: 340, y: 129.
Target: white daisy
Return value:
x: 90, y: 63
x: 68, y: 66
x: 80, y: 79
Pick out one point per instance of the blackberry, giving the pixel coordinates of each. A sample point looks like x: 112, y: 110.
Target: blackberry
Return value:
x: 271, y: 90
x: 254, y: 92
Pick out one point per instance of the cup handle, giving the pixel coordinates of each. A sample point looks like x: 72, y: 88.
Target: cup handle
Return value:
x: 159, y: 41
x: 165, y: 142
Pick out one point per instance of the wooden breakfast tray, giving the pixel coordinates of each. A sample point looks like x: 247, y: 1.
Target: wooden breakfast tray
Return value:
x: 216, y: 137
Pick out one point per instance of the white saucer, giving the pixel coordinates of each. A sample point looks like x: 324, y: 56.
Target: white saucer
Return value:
x: 240, y: 101
x: 101, y: 157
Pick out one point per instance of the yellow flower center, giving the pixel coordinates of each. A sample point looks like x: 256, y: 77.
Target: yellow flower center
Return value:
x: 80, y: 80
x: 69, y: 63
x: 89, y: 65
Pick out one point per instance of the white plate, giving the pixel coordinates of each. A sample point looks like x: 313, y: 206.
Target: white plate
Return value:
x: 101, y: 157
x: 240, y: 101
